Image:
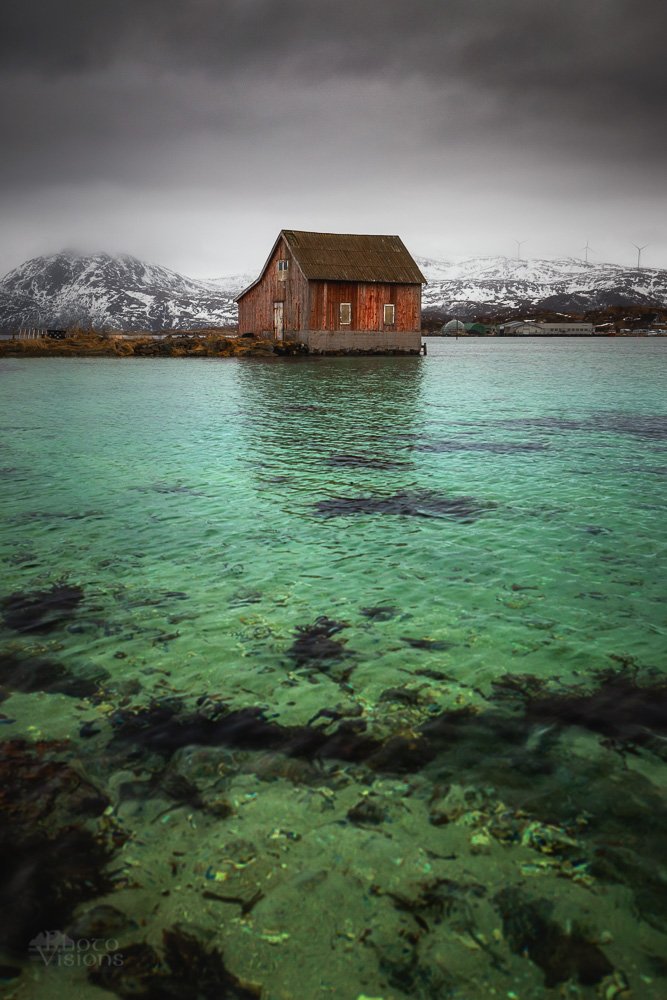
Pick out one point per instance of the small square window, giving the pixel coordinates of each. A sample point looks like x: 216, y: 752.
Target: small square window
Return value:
x: 389, y: 313
x: 345, y: 313
x: 283, y: 265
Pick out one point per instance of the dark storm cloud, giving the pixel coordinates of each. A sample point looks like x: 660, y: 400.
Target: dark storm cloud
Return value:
x: 219, y: 95
x: 598, y: 64
x: 587, y: 49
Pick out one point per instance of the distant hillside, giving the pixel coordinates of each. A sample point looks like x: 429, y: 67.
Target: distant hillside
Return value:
x: 113, y: 293
x: 488, y: 286
x: 123, y: 293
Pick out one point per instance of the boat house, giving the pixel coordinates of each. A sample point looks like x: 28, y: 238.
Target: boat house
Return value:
x: 336, y: 292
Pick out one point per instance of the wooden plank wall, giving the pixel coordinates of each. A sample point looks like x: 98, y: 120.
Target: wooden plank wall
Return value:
x: 368, y: 301
x: 256, y: 307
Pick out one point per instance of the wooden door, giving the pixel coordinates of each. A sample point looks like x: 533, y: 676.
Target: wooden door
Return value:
x: 278, y: 320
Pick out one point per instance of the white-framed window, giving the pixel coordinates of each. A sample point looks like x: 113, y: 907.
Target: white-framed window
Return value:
x: 345, y: 313
x: 389, y: 313
x: 283, y: 265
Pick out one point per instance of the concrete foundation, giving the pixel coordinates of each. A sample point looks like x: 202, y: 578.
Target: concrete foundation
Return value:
x: 358, y: 341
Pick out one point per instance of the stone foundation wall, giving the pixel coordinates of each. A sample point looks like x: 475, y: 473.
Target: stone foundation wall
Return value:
x: 358, y: 342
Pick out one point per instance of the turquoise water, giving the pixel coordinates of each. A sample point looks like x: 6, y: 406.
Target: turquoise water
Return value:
x: 495, y: 508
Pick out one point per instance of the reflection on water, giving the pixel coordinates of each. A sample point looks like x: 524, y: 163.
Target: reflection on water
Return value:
x: 335, y: 677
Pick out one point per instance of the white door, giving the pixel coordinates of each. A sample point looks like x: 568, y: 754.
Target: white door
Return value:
x: 278, y: 320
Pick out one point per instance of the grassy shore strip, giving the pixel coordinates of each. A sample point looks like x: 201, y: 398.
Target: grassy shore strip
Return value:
x: 174, y: 345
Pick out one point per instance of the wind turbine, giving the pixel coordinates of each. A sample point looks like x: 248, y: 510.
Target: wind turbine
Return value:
x: 587, y: 248
x: 639, y: 252
x: 519, y: 244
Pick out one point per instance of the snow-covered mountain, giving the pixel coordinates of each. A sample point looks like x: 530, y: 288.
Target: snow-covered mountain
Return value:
x: 113, y: 293
x: 481, y: 286
x: 123, y: 293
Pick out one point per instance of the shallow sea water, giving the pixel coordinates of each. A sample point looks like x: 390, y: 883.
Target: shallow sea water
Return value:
x: 364, y: 549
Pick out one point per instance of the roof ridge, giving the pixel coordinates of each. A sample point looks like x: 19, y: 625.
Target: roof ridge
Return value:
x: 373, y: 258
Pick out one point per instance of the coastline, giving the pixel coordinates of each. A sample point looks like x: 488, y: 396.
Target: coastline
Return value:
x: 172, y: 345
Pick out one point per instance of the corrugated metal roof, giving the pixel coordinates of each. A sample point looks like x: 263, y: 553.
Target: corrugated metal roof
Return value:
x: 350, y: 257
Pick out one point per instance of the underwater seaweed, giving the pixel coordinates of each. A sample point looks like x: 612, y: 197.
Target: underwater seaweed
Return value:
x: 424, y: 504
x: 35, y: 674
x: 314, y: 643
x: 346, y: 461
x: 380, y: 613
x: 561, y: 955
x: 51, y: 859
x: 41, y: 610
x: 493, y: 447
x: 185, y: 970
x: 619, y: 708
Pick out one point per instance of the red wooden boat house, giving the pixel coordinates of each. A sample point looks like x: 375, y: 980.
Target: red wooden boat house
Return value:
x: 336, y: 292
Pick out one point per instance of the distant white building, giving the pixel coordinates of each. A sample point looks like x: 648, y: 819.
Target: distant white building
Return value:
x: 566, y: 329
x: 527, y: 328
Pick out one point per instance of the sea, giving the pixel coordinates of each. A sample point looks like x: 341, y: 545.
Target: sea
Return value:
x: 336, y: 676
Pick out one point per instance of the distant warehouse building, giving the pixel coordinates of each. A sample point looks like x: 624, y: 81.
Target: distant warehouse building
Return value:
x: 528, y: 328
x: 566, y: 329
x: 336, y: 292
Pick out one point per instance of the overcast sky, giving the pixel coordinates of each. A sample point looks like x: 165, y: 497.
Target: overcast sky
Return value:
x: 189, y: 132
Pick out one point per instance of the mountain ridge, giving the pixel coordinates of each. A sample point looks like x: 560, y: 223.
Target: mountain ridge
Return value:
x: 121, y: 292
x: 112, y: 292
x: 483, y: 286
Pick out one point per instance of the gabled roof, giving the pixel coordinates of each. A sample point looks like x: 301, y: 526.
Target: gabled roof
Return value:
x: 348, y: 257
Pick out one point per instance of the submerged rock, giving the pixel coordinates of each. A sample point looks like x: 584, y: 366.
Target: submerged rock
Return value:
x: 366, y: 811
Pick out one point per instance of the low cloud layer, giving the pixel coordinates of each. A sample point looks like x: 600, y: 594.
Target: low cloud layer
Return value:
x: 189, y: 133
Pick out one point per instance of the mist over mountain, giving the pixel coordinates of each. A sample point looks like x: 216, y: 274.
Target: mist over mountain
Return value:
x: 123, y: 293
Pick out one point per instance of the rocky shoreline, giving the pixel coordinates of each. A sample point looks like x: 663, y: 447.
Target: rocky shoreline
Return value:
x: 172, y: 345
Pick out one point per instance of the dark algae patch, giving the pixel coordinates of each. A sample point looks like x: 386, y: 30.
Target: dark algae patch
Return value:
x: 430, y: 645
x: 620, y: 708
x: 424, y: 504
x: 164, y: 727
x: 57, y: 517
x: 530, y: 930
x: 381, y: 612
x: 646, y: 426
x: 345, y: 461
x: 184, y: 969
x: 492, y: 447
x: 52, y: 857
x: 315, y: 645
x: 41, y: 610
x: 30, y: 674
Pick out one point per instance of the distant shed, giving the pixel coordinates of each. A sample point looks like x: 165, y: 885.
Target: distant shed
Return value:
x: 336, y: 291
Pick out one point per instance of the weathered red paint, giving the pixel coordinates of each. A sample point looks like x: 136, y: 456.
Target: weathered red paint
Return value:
x: 315, y: 304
